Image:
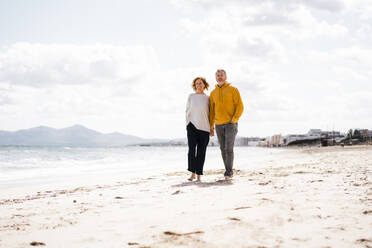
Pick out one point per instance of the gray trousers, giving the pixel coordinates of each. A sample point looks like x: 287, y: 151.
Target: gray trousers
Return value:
x: 226, y: 134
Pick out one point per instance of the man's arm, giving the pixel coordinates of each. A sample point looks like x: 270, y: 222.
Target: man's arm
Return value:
x: 238, y: 106
x: 211, y: 112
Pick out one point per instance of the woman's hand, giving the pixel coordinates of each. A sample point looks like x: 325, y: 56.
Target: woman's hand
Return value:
x: 211, y: 133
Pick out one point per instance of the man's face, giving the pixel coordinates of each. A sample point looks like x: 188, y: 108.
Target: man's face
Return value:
x: 220, y: 76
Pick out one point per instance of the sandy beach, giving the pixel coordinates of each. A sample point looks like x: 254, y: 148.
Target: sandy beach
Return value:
x: 305, y: 197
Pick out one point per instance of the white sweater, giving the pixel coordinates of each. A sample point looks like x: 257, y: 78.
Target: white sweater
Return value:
x: 197, y: 111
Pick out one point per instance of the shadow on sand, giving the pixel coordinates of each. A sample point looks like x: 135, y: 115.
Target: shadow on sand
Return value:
x: 221, y: 182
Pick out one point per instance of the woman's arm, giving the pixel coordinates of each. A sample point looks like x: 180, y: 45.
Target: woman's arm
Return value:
x: 188, y: 107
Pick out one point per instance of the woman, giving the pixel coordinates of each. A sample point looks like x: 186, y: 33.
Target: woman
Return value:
x: 198, y: 129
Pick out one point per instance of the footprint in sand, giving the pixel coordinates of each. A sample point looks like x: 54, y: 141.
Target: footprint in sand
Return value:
x: 242, y: 208
x: 234, y: 218
x: 36, y: 243
x: 300, y: 239
x: 133, y: 243
x: 181, y: 234
x: 364, y: 241
x: 266, y: 199
x: 264, y: 183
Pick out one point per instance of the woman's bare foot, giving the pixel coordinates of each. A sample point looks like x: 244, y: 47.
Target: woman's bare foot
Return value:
x: 198, y: 178
x: 192, y: 177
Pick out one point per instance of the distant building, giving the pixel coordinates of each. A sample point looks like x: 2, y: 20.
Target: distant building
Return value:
x: 294, y: 137
x: 276, y: 140
x: 314, y: 132
x: 319, y: 132
x: 254, y: 141
x: 365, y: 133
x: 331, y: 133
x: 264, y: 142
x: 241, y: 141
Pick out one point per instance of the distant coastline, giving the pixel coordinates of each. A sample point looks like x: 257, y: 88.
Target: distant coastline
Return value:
x: 81, y: 136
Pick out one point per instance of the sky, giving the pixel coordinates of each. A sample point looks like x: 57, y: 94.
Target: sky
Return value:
x: 127, y: 66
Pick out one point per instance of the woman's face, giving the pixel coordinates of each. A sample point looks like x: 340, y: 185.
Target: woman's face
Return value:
x: 199, y: 85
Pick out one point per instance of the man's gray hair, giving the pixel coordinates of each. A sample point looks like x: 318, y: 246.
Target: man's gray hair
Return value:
x: 221, y: 70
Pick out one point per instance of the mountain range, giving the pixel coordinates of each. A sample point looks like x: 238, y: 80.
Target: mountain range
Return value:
x: 76, y: 135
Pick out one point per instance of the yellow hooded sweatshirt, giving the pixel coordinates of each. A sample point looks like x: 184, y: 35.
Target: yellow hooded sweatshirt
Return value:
x: 225, y: 105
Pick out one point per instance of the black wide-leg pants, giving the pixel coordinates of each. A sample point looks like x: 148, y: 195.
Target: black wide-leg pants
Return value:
x: 197, y: 141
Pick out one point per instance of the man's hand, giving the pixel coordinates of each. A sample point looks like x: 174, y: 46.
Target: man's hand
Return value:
x: 211, y: 133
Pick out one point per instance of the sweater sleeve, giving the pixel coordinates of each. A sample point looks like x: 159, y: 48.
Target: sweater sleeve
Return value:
x: 187, y: 108
x: 211, y: 112
x: 238, y: 106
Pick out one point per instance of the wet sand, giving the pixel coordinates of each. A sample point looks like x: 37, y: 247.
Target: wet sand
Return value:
x: 314, y: 197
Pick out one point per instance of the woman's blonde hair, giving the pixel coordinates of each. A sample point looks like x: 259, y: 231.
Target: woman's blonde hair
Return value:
x: 206, y: 84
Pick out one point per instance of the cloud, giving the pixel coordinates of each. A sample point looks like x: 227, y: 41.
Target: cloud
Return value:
x: 298, y: 64
x: 332, y: 5
x: 5, y: 100
x: 101, y: 86
x: 43, y: 65
x: 63, y: 84
x: 310, y: 60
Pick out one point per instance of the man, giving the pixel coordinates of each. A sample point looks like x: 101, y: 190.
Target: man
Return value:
x: 226, y: 107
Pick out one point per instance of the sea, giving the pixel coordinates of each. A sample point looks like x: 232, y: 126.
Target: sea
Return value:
x: 32, y: 166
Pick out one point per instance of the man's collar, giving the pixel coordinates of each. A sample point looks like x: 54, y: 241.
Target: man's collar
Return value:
x: 225, y: 83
